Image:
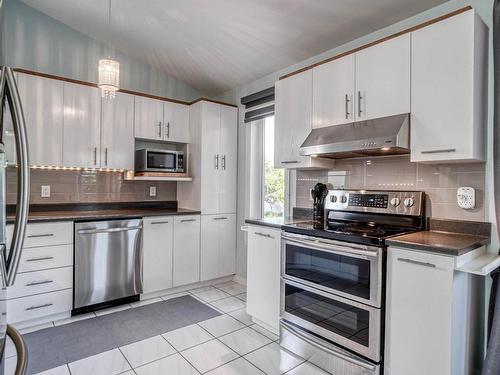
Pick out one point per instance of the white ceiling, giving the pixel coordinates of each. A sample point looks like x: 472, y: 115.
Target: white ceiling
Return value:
x: 215, y: 45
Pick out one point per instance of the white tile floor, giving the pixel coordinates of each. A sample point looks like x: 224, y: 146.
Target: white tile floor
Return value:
x: 225, y: 345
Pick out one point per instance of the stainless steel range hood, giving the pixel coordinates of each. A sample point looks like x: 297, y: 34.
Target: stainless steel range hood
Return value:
x: 383, y: 136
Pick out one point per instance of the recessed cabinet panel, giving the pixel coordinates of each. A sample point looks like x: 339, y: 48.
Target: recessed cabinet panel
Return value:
x: 383, y: 79
x: 82, y: 118
x: 176, y: 122
x: 42, y: 101
x: 148, y: 118
x: 228, y: 159
x: 117, y: 132
x: 158, y: 251
x: 263, y: 275
x: 333, y: 92
x: 448, y: 92
x: 211, y: 160
x: 186, y: 260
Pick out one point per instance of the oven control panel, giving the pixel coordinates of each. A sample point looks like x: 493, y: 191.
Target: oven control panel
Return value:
x: 387, y: 202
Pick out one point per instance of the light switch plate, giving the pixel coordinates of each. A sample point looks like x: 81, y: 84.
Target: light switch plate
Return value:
x: 45, y: 192
x: 466, y: 198
x: 152, y: 191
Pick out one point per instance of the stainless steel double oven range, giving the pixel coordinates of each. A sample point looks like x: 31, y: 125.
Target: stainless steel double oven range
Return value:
x: 333, y: 279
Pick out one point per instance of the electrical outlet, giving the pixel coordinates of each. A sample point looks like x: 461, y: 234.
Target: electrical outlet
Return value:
x: 45, y: 193
x: 152, y: 191
x: 466, y: 198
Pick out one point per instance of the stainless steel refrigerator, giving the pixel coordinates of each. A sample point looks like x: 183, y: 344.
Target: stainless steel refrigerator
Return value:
x: 11, y: 116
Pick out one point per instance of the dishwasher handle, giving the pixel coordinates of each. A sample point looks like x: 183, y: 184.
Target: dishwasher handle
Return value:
x: 108, y: 230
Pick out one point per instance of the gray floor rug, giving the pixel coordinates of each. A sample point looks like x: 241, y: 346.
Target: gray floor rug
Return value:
x: 53, y: 347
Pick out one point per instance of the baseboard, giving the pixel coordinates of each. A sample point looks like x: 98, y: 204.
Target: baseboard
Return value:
x: 240, y: 280
x: 274, y: 330
x: 185, y: 288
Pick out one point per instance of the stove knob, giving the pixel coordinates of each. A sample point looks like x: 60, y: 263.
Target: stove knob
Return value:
x: 409, y: 202
x: 343, y: 199
x: 333, y: 198
x: 395, y: 202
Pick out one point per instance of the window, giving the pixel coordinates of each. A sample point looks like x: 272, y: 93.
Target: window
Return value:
x: 274, y: 179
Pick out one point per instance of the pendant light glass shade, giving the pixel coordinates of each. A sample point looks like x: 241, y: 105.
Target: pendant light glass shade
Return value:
x: 109, y: 77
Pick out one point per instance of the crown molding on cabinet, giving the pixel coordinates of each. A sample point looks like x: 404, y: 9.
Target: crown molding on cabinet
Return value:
x: 378, y: 41
x: 137, y: 93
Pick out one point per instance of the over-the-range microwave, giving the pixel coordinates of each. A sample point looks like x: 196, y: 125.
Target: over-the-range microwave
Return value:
x: 149, y: 160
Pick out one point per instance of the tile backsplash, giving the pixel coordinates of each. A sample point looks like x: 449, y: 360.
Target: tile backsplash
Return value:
x: 439, y: 181
x: 88, y: 187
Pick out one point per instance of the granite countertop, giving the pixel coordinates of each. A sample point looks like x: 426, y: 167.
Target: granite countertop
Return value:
x: 448, y: 237
x: 276, y: 222
x: 78, y: 212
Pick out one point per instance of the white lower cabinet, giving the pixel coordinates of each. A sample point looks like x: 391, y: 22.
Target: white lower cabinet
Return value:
x: 44, y: 283
x: 158, y: 250
x: 186, y: 259
x: 218, y: 246
x: 263, y: 275
x: 430, y: 315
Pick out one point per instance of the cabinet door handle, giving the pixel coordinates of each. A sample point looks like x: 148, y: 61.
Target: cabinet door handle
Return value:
x: 159, y: 222
x: 40, y: 235
x: 359, y: 103
x: 290, y: 162
x: 38, y: 307
x: 217, y: 161
x: 106, y: 156
x: 159, y: 129
x: 263, y: 235
x: 187, y: 220
x: 438, y: 151
x: 40, y: 282
x: 224, y: 162
x: 347, y: 100
x: 411, y: 261
x: 95, y: 155
x: 220, y: 218
x: 168, y: 129
x: 39, y: 259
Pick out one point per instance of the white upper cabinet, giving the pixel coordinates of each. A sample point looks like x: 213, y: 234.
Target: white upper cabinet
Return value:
x: 383, y: 79
x: 42, y: 101
x: 333, y: 92
x: 293, y: 122
x: 228, y: 158
x: 448, y: 91
x: 148, y: 118
x: 213, y: 160
x: 81, y: 136
x: 176, y: 122
x: 117, y: 132
x: 210, y: 158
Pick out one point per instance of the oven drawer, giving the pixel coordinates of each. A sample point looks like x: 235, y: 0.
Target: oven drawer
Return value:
x: 322, y: 353
x: 347, y: 323
x: 42, y: 258
x: 39, y: 306
x: 348, y: 270
x: 38, y: 282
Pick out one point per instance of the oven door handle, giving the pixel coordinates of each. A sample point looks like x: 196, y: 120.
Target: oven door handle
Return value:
x: 310, y: 339
x: 339, y: 249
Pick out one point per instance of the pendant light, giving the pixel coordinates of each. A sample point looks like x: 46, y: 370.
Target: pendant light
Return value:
x: 109, y: 70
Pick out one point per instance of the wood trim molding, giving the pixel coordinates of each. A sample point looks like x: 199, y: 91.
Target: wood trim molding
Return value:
x: 378, y: 41
x: 212, y: 101
x: 137, y: 93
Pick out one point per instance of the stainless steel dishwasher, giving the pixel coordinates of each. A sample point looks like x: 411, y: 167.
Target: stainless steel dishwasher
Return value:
x: 108, y: 263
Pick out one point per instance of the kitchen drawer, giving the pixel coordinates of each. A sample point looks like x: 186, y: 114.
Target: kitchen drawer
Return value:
x: 40, y: 305
x: 45, y: 234
x: 42, y: 258
x: 30, y: 283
